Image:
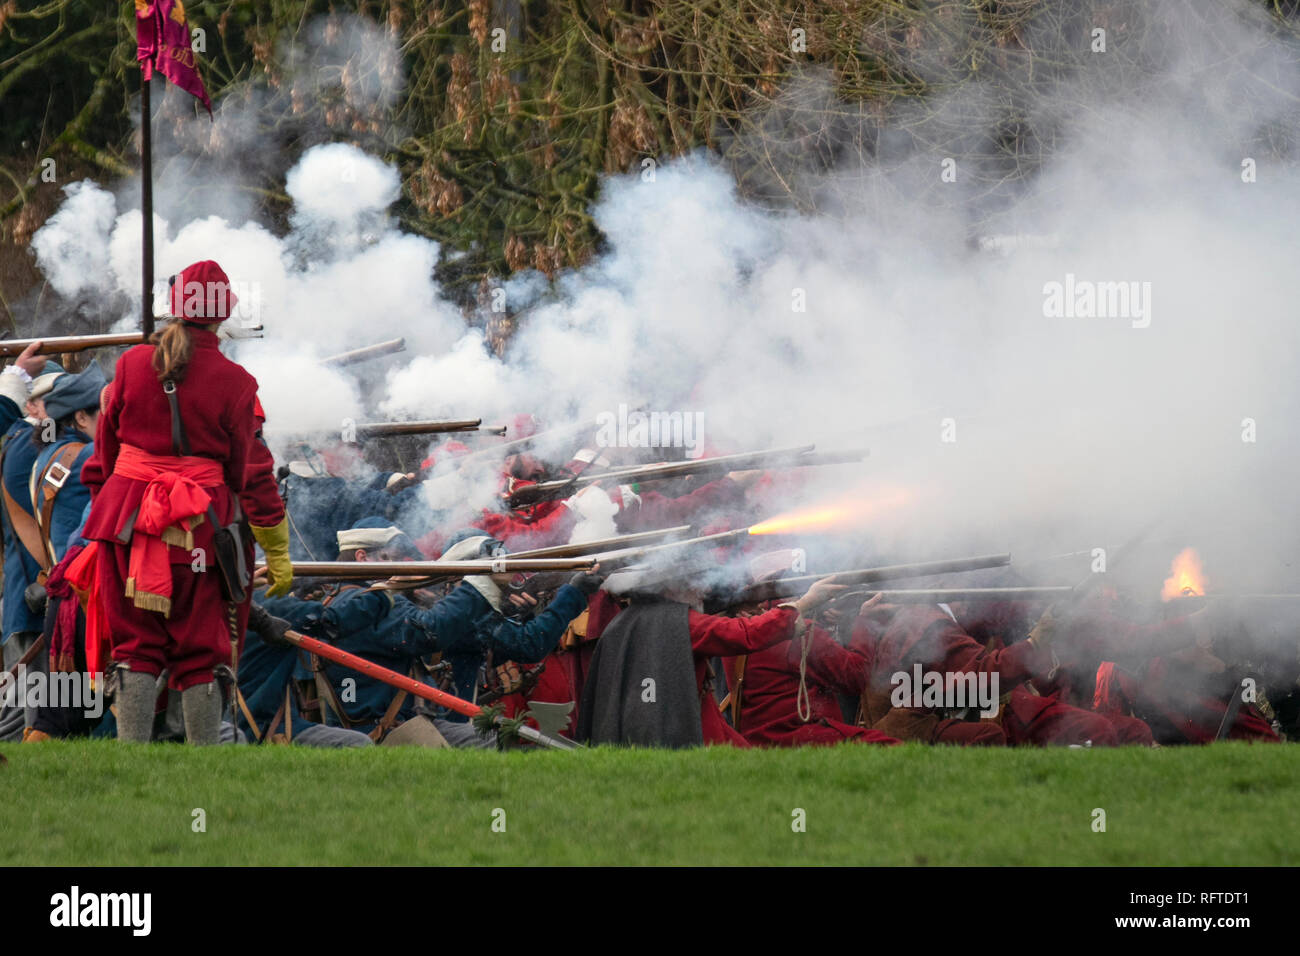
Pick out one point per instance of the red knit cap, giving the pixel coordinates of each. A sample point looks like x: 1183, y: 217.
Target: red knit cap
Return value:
x: 202, y: 293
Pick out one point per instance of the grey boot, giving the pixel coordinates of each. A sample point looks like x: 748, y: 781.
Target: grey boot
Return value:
x: 136, y: 696
x: 202, y: 705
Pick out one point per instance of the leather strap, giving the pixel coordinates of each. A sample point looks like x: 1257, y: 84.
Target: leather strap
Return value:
x: 390, y: 715
x: 46, y: 491
x: 288, y: 712
x: 181, y: 443
x: 737, y: 690
x: 26, y: 530
x: 325, y: 691
x: 248, y: 715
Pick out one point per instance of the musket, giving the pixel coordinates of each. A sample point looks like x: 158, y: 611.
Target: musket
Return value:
x: 394, y: 429
x: 635, y: 558
x: 415, y: 687
x: 388, y: 429
x: 1245, y: 597
x: 791, y: 587
x: 505, y: 449
x: 373, y: 570
x: 617, y: 543
x: 534, y: 584
x: 58, y: 344
x: 364, y: 353
x: 793, y: 457
x: 539, y: 581
x: 948, y: 595
x: 1233, y: 708
x: 627, y: 557
x: 1095, y: 579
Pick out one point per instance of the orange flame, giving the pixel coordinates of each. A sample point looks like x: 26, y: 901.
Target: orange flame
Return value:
x: 811, y: 520
x: 830, y: 517
x: 1185, y: 577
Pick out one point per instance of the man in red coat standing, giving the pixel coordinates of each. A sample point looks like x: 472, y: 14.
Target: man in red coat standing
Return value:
x: 158, y: 485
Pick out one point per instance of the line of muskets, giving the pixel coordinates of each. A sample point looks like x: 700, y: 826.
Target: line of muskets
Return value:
x: 611, y: 553
x: 800, y: 456
x: 637, y: 551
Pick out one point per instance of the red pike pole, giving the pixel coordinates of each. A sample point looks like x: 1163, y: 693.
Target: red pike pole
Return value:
x: 413, y: 686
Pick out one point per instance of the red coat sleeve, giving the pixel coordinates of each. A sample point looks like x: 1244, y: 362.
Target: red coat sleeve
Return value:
x: 714, y: 635
x: 900, y: 638
x: 260, y: 496
x: 946, y: 647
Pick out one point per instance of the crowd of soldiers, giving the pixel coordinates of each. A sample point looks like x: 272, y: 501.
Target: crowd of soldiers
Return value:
x: 111, y: 489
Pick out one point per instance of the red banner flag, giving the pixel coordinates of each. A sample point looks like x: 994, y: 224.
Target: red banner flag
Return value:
x: 164, y: 40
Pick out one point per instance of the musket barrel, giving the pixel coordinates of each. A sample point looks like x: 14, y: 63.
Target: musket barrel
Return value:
x: 364, y: 353
x: 585, y: 549
x: 387, y: 429
x: 619, y: 542
x: 789, y: 587
x: 542, y: 438
x: 946, y: 595
x: 397, y: 429
x: 795, y: 456
x: 1247, y: 597
x: 58, y: 344
x: 371, y: 570
x: 626, y: 556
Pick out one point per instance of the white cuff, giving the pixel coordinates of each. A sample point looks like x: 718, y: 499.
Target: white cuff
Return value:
x: 15, y: 387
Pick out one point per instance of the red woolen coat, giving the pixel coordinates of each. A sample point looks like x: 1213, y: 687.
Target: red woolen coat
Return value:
x: 716, y: 636
x: 217, y: 402
x: 769, y: 694
x: 896, y: 638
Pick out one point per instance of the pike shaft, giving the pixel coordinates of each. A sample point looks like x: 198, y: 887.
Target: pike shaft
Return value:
x: 412, y: 686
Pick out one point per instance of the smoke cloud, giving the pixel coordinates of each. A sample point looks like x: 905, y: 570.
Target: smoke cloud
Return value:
x: 1123, y: 353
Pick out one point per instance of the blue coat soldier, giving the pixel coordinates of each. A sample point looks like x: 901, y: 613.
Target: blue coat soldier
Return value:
x: 391, y: 630
x: 58, y: 497
x: 267, y: 704
x: 56, y: 494
x: 20, y: 627
x: 21, y: 443
x: 319, y: 504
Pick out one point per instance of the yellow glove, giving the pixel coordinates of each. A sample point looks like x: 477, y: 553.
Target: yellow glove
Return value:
x: 279, y: 569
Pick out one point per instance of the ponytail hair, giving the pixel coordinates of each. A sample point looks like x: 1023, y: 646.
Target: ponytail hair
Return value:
x: 173, y: 349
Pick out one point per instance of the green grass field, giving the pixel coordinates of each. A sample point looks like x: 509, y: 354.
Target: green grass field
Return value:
x: 103, y: 803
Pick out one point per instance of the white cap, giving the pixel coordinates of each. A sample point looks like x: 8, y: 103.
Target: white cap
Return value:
x: 366, y: 538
